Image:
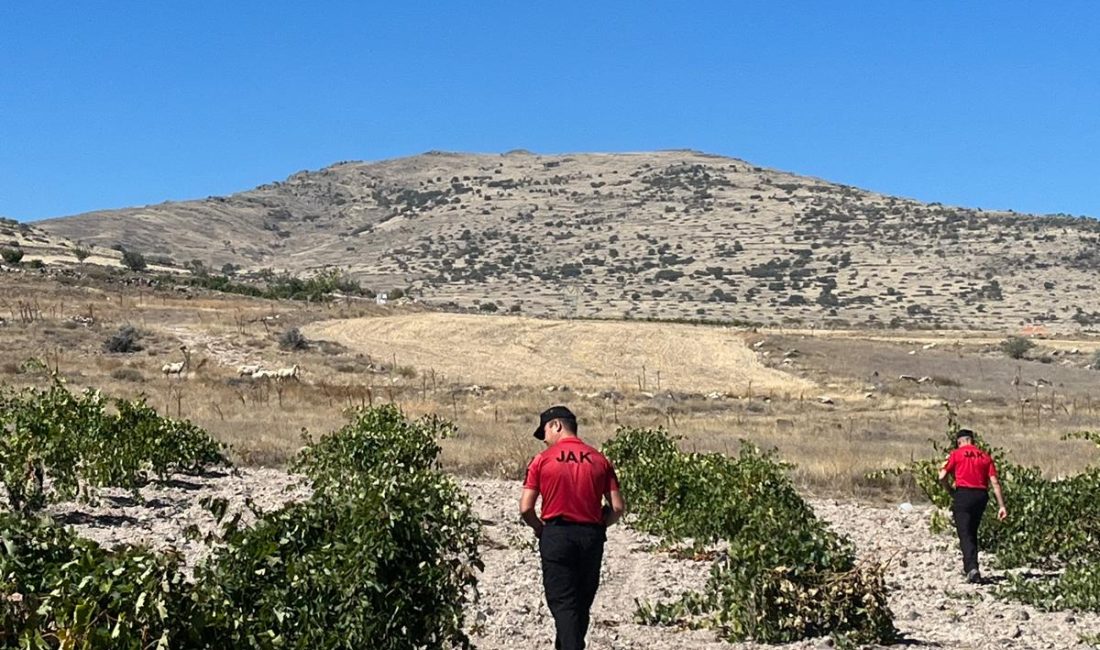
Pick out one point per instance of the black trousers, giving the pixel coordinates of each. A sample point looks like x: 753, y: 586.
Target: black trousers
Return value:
x: 571, y: 558
x: 968, y: 507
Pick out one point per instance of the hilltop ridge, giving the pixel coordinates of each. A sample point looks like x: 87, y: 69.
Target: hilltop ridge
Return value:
x: 667, y: 235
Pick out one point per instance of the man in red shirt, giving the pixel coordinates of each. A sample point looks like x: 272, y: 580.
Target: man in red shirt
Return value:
x: 974, y: 472
x: 574, y: 481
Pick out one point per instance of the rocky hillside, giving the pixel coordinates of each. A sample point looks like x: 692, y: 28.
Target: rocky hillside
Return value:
x: 667, y: 235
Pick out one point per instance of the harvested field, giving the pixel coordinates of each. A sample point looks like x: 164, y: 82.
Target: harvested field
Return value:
x: 516, y: 351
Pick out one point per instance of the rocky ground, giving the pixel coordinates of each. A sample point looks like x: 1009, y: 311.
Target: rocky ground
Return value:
x: 932, y: 604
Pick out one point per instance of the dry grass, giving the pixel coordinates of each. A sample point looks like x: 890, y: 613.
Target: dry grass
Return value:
x: 832, y: 445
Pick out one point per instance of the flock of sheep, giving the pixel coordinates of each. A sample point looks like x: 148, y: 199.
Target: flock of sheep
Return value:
x: 278, y: 374
x: 178, y: 368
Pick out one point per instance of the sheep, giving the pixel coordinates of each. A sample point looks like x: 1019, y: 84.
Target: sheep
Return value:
x: 173, y: 368
x: 260, y: 373
x: 292, y: 372
x: 247, y: 371
x: 179, y: 367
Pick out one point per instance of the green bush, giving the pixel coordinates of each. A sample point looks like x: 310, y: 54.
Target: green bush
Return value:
x: 385, y: 535
x: 278, y: 287
x: 785, y: 575
x: 72, y: 443
x: 1016, y: 347
x: 133, y: 260
x: 11, y: 254
x: 382, y: 555
x: 60, y: 591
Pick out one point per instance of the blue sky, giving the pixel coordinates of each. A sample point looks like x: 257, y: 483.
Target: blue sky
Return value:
x: 984, y: 104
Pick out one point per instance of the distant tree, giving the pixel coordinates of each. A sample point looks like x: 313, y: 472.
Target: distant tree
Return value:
x: 133, y: 260
x: 1016, y: 346
x: 230, y: 269
x: 11, y: 254
x: 196, y: 267
x: 81, y: 254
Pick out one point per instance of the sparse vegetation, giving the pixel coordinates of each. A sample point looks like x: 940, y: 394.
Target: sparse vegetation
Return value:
x: 842, y: 248
x: 128, y: 374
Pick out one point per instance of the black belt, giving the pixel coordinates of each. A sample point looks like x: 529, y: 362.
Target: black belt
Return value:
x: 562, y: 521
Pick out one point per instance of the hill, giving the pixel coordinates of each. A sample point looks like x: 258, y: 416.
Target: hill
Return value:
x: 667, y: 235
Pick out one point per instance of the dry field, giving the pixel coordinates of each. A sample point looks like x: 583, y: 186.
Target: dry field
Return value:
x: 814, y: 396
x: 511, y: 351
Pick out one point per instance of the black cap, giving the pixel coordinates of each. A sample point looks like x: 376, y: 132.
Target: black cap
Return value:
x: 553, y: 413
x: 964, y: 433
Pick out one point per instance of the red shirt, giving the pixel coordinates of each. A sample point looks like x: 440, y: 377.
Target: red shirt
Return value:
x: 572, y: 479
x: 971, y: 466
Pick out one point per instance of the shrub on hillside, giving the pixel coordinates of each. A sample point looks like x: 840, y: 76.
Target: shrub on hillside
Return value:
x: 124, y: 341
x: 293, y: 340
x: 785, y: 576
x: 11, y: 254
x: 133, y: 260
x: 1016, y: 347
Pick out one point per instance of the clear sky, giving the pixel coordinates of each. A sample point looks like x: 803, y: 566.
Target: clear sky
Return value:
x: 983, y: 104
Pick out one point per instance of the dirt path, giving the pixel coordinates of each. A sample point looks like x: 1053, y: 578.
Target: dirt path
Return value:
x: 932, y: 604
